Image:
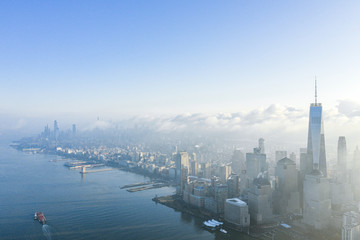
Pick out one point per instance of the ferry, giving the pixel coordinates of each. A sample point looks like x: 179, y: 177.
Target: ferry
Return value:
x: 40, y: 217
x: 212, y: 224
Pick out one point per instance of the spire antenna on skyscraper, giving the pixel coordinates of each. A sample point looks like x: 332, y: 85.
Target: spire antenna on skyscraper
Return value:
x: 315, y: 91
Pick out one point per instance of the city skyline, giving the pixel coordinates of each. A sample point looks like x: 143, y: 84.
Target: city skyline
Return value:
x: 180, y: 119
x: 236, y: 67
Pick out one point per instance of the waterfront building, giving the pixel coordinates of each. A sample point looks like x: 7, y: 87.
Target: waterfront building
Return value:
x: 210, y: 204
x: 194, y: 191
x: 260, y: 201
x: 286, y: 195
x: 351, y: 226
x: 182, y: 169
x: 221, y: 193
x: 237, y: 214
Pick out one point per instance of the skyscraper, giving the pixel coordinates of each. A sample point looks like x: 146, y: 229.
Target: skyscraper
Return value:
x: 182, y: 169
x: 316, y: 139
x: 316, y: 188
x: 56, y: 131
x: 342, y: 158
x: 74, y: 129
x: 262, y: 145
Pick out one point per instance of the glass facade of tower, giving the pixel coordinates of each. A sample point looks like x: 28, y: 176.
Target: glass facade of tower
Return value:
x: 316, y: 140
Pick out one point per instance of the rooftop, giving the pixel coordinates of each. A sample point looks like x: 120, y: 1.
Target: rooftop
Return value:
x: 236, y: 201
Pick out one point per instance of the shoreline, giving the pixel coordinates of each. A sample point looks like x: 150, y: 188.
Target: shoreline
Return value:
x: 175, y: 202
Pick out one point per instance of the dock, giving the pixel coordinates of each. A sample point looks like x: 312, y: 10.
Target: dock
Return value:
x: 97, y: 170
x: 136, y: 185
x: 59, y: 160
x: 157, y: 185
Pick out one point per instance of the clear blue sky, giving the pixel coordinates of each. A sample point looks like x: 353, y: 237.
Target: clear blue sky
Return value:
x: 116, y: 58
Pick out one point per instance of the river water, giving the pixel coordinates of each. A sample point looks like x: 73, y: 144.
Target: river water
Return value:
x: 90, y: 206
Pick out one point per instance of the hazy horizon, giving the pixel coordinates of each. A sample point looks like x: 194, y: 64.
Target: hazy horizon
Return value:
x: 242, y: 67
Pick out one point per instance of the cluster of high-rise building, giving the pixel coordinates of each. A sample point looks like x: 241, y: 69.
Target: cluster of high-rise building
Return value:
x: 245, y: 190
x: 55, y: 135
x: 247, y: 187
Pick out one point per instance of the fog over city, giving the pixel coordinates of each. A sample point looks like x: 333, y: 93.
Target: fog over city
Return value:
x: 157, y: 119
x: 284, y: 127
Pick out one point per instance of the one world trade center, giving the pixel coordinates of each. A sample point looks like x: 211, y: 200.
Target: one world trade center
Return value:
x: 316, y: 140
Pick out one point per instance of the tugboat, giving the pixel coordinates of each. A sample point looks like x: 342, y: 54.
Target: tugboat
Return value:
x: 40, y: 217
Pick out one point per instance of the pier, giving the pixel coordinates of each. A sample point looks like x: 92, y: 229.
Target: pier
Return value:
x: 94, y: 171
x: 157, y: 185
x: 136, y: 185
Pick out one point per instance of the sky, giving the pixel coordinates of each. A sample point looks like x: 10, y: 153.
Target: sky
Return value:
x: 117, y: 59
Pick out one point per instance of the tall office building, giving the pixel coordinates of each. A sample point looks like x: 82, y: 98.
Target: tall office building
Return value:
x: 224, y: 172
x: 355, y: 176
x: 286, y: 195
x: 262, y: 145
x: 316, y: 139
x: 237, y: 161
x: 74, y: 129
x: 56, y: 131
x: 341, y: 159
x: 316, y: 188
x: 233, y: 185
x: 256, y: 162
x: 260, y: 200
x: 182, y: 169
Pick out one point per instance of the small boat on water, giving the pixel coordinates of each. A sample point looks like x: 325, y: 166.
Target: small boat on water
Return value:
x: 212, y: 224
x: 223, y: 230
x: 40, y: 217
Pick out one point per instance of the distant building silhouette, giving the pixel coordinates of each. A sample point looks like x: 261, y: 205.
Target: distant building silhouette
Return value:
x: 342, y: 159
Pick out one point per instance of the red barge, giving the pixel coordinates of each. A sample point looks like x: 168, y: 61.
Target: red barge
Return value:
x: 40, y: 217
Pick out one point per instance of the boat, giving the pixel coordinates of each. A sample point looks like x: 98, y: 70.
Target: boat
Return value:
x: 40, y: 217
x: 223, y: 230
x: 212, y: 224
